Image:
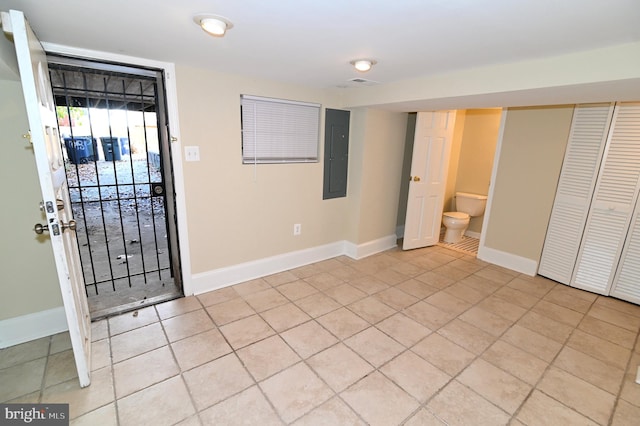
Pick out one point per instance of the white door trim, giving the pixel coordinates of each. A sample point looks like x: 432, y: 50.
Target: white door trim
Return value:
x: 174, y: 129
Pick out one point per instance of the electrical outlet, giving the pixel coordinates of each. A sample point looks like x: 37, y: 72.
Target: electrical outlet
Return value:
x: 192, y: 153
x: 297, y: 229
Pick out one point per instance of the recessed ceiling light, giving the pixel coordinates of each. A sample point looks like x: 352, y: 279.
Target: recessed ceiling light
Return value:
x: 213, y: 24
x: 363, y: 65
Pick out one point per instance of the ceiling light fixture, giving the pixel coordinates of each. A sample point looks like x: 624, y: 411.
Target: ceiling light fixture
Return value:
x: 363, y: 65
x: 213, y: 24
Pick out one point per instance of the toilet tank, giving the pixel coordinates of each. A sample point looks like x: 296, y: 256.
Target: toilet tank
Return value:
x: 471, y: 204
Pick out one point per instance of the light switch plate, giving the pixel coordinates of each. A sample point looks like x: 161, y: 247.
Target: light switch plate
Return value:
x: 192, y: 153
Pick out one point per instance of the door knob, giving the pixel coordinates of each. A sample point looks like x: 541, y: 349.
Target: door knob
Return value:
x: 39, y: 229
x: 69, y: 225
x: 416, y: 178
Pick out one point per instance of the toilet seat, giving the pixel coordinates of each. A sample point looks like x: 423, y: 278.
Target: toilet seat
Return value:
x: 456, y: 215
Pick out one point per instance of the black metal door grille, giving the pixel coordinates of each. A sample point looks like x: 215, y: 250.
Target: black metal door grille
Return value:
x: 113, y: 162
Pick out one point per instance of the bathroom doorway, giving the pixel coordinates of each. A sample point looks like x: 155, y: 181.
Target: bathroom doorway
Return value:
x: 470, y: 166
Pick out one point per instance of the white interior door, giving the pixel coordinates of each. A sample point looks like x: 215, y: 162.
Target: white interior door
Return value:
x: 34, y: 73
x: 429, y: 168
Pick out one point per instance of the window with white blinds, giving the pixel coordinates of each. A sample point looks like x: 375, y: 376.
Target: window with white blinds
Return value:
x: 279, y: 131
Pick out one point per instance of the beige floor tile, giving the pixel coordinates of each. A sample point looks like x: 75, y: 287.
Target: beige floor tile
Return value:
x: 571, y: 298
x: 218, y: 296
x: 546, y: 326
x: 250, y: 287
x: 371, y: 397
x: 142, y: 407
x: 434, y: 279
x: 21, y: 379
x: 137, y: 341
x: 456, y: 404
x: 324, y: 281
x: 416, y: 288
x: 416, y: 376
x: 82, y: 400
x: 448, y: 303
x: 469, y: 337
x: 482, y: 285
x: 339, y: 366
x: 451, y: 272
x: 317, y: 304
x: 495, y: 385
x: 444, y: 354
x: 346, y: 273
x: 265, y: 299
x: 131, y: 320
x: 391, y: 277
x: 144, y: 370
x: 622, y: 319
x: 368, y: 284
x: 558, y: 313
x: 178, y: 307
x: 332, y: 412
x: 306, y: 271
x: 584, y: 397
x: 485, y: 320
x: 267, y: 357
x: 630, y: 390
x: 246, y: 331
x: 590, y: 369
x: 618, y: 305
x: 328, y: 264
x: 296, y: 290
x: 407, y: 268
x: 519, y: 363
x: 395, y: 298
x: 100, y: 354
x: 60, y: 368
x: 424, y: 418
x: 343, y: 323
x: 190, y: 421
x: 625, y: 414
x: 345, y: 294
x: 600, y: 349
x: 535, y: 288
x: 99, y: 330
x: 217, y: 380
x: 199, y: 349
x: 517, y: 297
x: 465, y: 292
x: 495, y: 274
x: 532, y: 342
x: 374, y: 346
x: 186, y: 325
x: 60, y: 342
x: 428, y: 315
x: 607, y: 331
x: 295, y: 391
x: 280, y: 278
x: 469, y: 267
x: 541, y: 410
x: 371, y: 309
x: 403, y: 329
x: 229, y: 311
x: 308, y: 339
x: 501, y: 307
x: 103, y: 416
x: 249, y: 407
x: 285, y: 317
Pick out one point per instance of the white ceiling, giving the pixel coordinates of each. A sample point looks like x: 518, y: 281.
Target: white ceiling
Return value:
x: 310, y: 42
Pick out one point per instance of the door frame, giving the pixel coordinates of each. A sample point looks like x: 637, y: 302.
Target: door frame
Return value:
x: 171, y: 92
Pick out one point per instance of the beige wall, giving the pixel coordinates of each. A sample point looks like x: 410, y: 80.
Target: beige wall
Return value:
x: 530, y: 160
x: 27, y: 271
x: 376, y: 159
x: 478, y: 147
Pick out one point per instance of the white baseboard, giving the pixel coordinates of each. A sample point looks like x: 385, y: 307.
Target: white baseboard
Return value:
x: 472, y: 234
x: 508, y: 260
x: 25, y: 328
x: 224, y: 277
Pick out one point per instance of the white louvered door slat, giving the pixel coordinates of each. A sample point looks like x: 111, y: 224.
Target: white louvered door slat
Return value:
x: 614, y: 197
x: 583, y: 156
x: 626, y: 284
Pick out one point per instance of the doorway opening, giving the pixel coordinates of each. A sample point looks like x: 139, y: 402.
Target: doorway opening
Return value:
x: 113, y: 125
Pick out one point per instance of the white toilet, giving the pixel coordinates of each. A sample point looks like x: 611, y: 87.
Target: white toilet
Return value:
x: 468, y: 205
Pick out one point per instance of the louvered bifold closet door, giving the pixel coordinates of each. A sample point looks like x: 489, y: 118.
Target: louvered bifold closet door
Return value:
x: 587, y: 138
x: 626, y: 284
x: 611, y: 209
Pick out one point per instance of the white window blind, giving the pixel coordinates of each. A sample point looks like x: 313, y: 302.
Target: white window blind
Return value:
x: 279, y: 131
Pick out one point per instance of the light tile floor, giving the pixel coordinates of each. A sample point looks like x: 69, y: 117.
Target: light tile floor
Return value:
x: 423, y: 337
